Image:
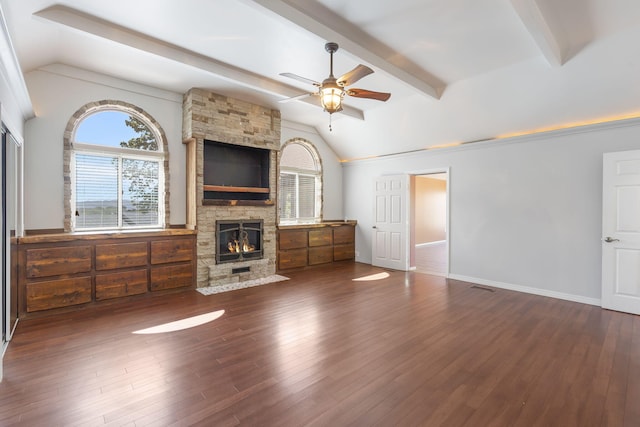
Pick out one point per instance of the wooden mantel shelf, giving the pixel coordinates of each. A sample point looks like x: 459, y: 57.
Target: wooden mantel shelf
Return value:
x: 230, y: 189
x: 225, y: 202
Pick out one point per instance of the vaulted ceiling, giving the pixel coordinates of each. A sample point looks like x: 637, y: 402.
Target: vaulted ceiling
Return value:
x: 459, y: 70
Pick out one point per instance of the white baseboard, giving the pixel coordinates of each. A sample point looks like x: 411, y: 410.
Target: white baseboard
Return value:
x: 437, y: 242
x: 529, y: 290
x: 432, y: 273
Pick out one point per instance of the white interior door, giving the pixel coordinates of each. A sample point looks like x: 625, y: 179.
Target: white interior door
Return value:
x: 621, y: 231
x: 391, y: 222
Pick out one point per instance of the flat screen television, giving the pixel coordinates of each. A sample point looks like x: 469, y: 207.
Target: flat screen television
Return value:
x: 235, y: 167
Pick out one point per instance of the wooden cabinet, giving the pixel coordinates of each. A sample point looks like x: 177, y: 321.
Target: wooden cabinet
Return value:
x: 171, y: 276
x: 173, y: 250
x: 320, y: 237
x: 292, y: 259
x: 116, y: 285
x: 315, y: 244
x: 292, y: 239
x: 66, y: 270
x: 320, y: 255
x: 344, y: 243
x: 121, y: 255
x: 56, y: 261
x: 48, y: 294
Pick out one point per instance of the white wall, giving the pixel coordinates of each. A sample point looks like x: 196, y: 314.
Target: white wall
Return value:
x: 57, y: 92
x: 332, y: 205
x: 10, y: 112
x: 525, y: 212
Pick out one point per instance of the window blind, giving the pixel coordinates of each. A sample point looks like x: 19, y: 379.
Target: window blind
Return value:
x: 298, y: 197
x: 112, y: 191
x: 306, y: 196
x: 96, y: 191
x: 139, y: 193
x: 287, y: 196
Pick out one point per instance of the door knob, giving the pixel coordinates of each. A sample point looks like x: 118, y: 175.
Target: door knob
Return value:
x: 374, y: 227
x: 610, y: 239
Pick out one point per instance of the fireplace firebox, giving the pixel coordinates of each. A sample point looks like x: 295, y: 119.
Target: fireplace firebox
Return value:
x: 238, y: 240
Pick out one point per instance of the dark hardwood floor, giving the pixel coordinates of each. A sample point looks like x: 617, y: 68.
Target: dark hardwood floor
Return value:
x: 320, y: 349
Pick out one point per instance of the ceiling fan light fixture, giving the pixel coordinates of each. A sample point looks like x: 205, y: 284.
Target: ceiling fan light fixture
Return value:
x: 332, y: 90
x: 331, y: 98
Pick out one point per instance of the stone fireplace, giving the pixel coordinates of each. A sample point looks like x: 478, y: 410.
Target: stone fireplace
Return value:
x: 225, y: 202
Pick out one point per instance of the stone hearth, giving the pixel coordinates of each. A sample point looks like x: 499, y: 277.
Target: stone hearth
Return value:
x: 213, y: 117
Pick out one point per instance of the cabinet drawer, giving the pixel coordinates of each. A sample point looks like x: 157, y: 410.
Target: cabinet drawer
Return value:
x: 343, y: 252
x: 321, y: 255
x: 174, y: 250
x: 58, y: 293
x: 171, y: 276
x: 292, y: 239
x: 320, y: 237
x: 116, y: 285
x: 121, y: 255
x: 343, y: 234
x: 56, y: 261
x: 292, y: 259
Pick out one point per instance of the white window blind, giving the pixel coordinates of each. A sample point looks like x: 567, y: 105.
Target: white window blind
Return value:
x: 287, y: 196
x: 299, y: 197
x: 115, y: 192
x: 307, y: 196
x: 96, y: 191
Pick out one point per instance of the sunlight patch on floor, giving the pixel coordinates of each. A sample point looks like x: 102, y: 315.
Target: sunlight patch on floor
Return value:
x: 179, y: 325
x: 378, y: 276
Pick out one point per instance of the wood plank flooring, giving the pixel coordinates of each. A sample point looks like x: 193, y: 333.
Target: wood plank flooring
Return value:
x: 320, y: 349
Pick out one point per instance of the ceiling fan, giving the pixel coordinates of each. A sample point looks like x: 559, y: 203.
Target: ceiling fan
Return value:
x: 331, y: 91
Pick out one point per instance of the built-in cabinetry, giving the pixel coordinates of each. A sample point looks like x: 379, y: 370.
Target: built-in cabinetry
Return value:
x: 314, y: 244
x: 63, y: 270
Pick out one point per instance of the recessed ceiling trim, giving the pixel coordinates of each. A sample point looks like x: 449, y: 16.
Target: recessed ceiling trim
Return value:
x: 89, y: 24
x: 537, y: 26
x: 347, y: 41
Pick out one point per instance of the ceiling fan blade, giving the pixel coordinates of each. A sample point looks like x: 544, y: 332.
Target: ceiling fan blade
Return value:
x: 354, y: 75
x: 300, y: 78
x: 295, y: 98
x: 363, y: 93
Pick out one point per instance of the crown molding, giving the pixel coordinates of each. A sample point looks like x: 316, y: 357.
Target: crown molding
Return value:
x: 12, y: 72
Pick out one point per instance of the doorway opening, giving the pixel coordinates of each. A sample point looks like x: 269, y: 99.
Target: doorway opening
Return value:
x: 429, y: 223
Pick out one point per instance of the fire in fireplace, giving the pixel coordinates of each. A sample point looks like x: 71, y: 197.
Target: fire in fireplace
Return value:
x: 238, y: 240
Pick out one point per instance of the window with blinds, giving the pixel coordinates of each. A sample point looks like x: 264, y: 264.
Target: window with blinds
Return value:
x: 299, y: 196
x: 96, y: 191
x: 116, y: 185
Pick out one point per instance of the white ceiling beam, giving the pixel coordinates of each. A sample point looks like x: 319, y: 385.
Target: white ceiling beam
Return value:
x: 349, y: 39
x: 537, y: 26
x: 93, y: 25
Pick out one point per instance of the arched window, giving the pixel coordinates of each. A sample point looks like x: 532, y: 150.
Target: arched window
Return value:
x: 116, y: 157
x: 300, y: 185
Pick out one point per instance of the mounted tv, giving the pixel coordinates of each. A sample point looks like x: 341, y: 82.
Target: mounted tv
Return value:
x: 235, y: 172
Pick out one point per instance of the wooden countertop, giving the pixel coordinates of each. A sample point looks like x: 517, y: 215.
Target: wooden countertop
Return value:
x: 94, y: 235
x: 350, y: 222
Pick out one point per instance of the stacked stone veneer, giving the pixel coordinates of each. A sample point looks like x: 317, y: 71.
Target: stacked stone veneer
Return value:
x: 207, y: 115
